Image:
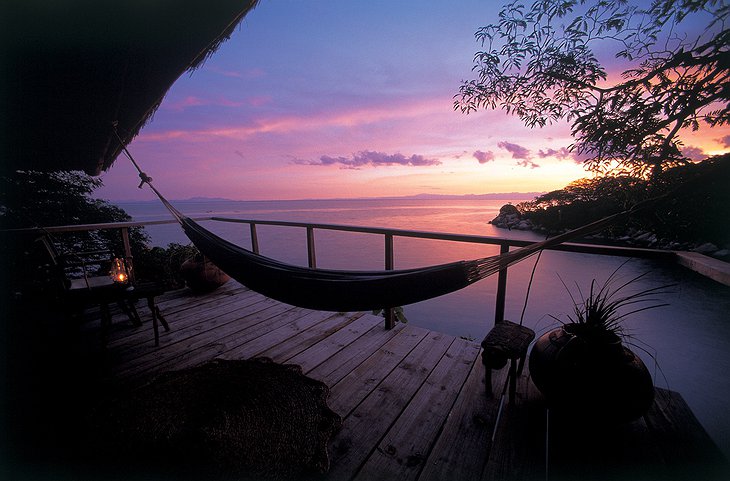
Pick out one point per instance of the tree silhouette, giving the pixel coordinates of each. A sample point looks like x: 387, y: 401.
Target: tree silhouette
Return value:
x: 541, y: 63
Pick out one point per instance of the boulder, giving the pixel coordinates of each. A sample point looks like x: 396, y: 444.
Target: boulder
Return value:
x: 509, y: 217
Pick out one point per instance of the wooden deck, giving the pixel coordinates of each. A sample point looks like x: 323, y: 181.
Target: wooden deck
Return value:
x: 413, y: 401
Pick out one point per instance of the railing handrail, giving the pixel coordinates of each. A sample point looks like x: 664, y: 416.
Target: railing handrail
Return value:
x: 100, y: 226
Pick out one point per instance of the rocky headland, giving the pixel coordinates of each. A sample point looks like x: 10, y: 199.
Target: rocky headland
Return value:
x: 510, y: 217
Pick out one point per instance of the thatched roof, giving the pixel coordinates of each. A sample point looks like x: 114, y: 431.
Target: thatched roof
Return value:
x: 71, y: 68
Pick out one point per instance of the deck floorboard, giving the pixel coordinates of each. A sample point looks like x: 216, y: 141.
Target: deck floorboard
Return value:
x: 413, y: 401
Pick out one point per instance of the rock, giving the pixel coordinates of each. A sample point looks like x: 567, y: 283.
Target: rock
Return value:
x: 509, y: 218
x: 509, y: 209
x: 706, y: 248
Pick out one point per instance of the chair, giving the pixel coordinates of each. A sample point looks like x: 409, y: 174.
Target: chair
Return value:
x: 506, y: 341
x: 85, y: 281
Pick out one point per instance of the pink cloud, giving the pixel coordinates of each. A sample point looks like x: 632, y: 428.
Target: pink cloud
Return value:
x: 528, y: 163
x: 187, y: 102
x: 694, y: 153
x: 561, y: 153
x: 484, y: 157
x: 370, y: 158
x: 517, y: 151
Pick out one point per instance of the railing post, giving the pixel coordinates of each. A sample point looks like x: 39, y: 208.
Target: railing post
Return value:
x: 127, y: 252
x: 501, y: 288
x: 254, y: 239
x: 389, y: 313
x: 311, y: 256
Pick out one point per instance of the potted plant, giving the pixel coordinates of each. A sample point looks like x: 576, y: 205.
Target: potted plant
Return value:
x: 201, y: 275
x: 583, y: 368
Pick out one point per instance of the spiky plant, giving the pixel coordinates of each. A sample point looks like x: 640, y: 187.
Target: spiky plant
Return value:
x: 599, y: 315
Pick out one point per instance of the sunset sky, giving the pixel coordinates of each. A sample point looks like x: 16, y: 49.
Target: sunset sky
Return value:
x: 334, y: 99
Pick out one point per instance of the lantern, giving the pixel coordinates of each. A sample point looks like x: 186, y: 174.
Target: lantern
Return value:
x: 118, y: 271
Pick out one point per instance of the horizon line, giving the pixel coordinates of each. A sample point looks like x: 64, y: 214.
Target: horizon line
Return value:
x: 423, y: 196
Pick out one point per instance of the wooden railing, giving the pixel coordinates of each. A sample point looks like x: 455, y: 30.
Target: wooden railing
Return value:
x: 720, y: 272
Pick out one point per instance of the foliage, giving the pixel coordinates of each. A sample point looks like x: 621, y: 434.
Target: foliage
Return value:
x: 162, y: 265
x: 688, y: 214
x: 541, y: 63
x: 398, y: 313
x: 602, y: 311
x: 584, y: 201
x: 41, y: 199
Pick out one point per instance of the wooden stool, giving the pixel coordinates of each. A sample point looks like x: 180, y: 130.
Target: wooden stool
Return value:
x: 506, y: 341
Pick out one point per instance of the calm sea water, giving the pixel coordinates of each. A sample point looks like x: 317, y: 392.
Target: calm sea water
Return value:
x: 686, y: 345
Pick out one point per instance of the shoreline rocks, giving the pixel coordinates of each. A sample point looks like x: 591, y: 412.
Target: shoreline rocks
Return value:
x: 510, y: 218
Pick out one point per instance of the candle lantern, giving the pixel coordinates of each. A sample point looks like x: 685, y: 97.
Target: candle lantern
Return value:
x: 118, y: 271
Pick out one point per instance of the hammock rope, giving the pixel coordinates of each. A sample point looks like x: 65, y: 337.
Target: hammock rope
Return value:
x: 345, y: 290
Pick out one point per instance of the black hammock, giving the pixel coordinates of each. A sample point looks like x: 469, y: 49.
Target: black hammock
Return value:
x: 342, y: 291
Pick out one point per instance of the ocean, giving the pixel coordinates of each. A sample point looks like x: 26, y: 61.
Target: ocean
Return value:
x: 685, y: 345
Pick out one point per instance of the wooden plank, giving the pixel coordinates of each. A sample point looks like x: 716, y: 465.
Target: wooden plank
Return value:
x: 188, y: 323
x: 249, y: 327
x: 328, y: 347
x: 687, y: 448
x: 518, y: 451
x: 184, y: 298
x: 359, y: 383
x: 334, y: 369
x: 186, y: 359
x: 462, y: 448
x: 240, y: 314
x: 127, y: 334
x: 715, y: 269
x: 283, y: 351
x: 369, y: 422
x: 306, y: 319
x: 402, y: 453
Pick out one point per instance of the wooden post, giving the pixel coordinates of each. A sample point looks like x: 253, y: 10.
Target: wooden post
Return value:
x: 389, y: 313
x: 311, y: 256
x: 501, y: 288
x: 127, y: 252
x: 254, y: 239
x: 389, y: 264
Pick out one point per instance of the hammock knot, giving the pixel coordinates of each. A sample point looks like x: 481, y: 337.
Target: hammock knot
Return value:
x: 146, y: 179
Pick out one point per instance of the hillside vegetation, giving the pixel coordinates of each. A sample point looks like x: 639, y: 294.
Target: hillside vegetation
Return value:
x: 693, y: 212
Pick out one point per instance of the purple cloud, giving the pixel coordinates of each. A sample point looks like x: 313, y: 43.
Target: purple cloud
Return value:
x: 725, y: 141
x: 564, y: 153
x: 484, y: 157
x: 370, y: 158
x: 528, y: 163
x: 517, y: 151
x: 561, y: 153
x: 694, y: 153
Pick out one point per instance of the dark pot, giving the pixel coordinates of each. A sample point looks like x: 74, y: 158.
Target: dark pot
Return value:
x: 595, y: 380
x: 201, y: 275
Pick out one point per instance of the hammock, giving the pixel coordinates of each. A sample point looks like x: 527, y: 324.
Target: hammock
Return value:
x: 341, y: 291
